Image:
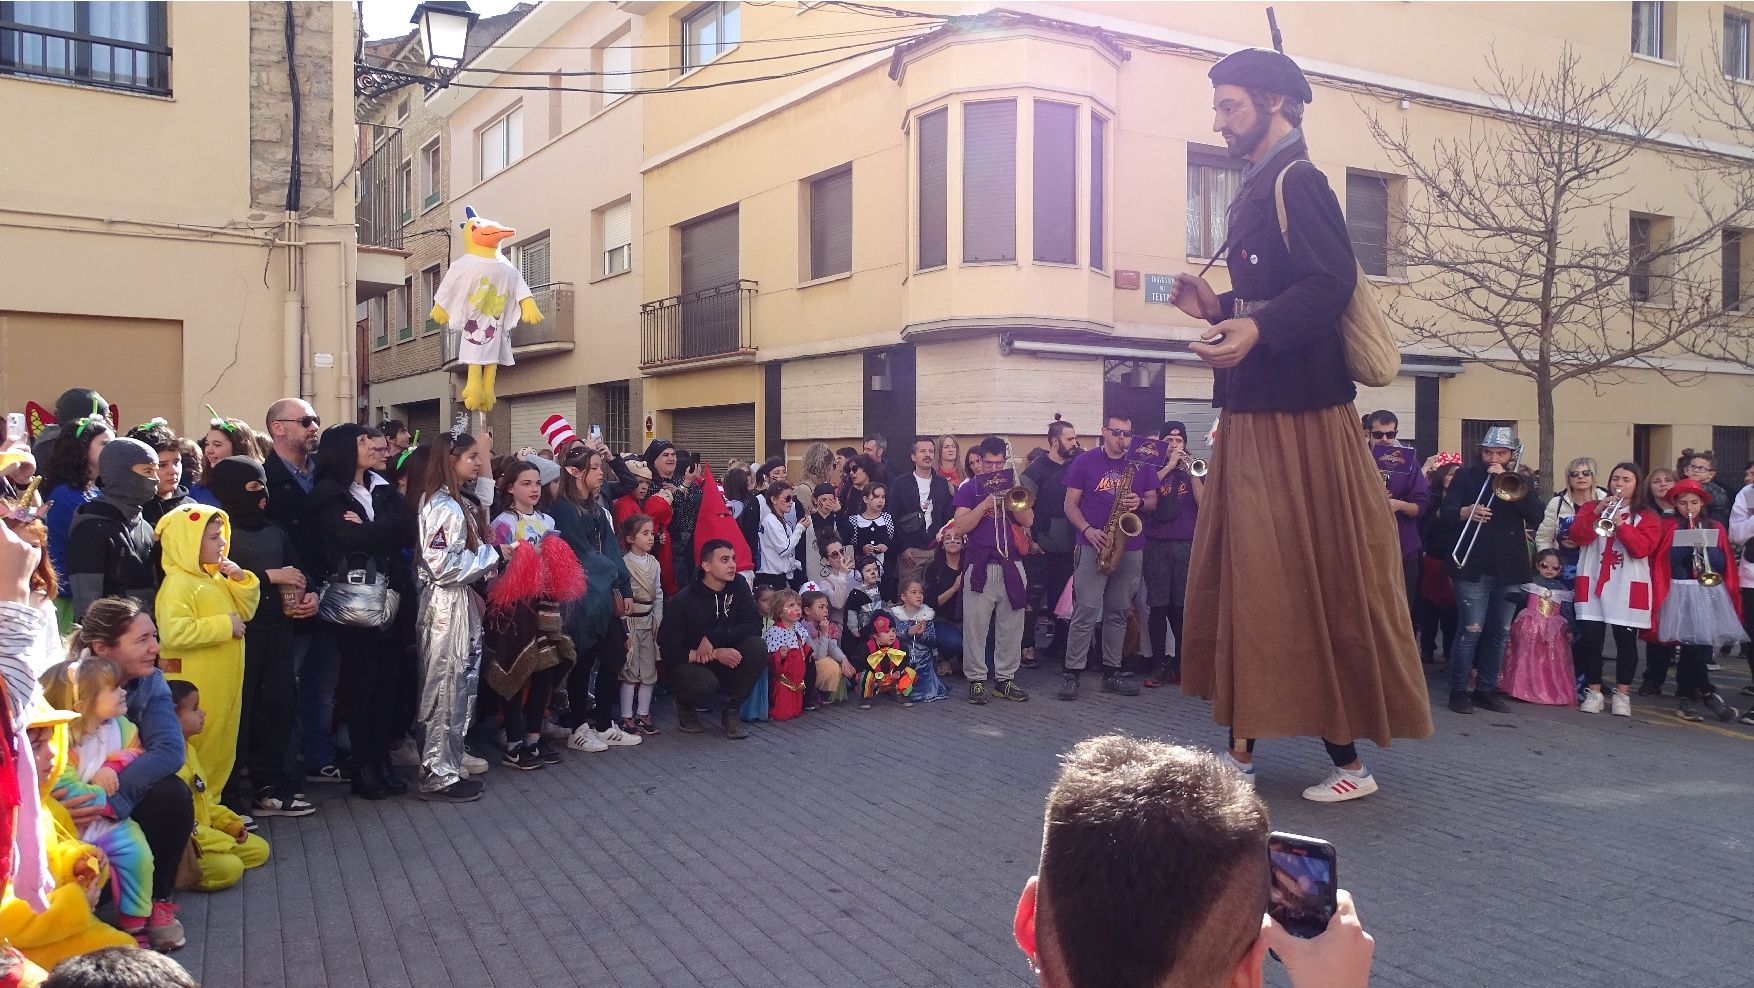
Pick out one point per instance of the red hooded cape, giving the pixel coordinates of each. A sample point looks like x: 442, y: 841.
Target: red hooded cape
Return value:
x: 715, y: 522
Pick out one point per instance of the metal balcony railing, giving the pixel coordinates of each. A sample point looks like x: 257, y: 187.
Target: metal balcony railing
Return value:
x: 557, y: 326
x: 712, y: 322
x: 378, y: 212
x: 85, y: 59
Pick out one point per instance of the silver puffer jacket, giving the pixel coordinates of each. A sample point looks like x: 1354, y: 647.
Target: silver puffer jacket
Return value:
x: 450, y: 633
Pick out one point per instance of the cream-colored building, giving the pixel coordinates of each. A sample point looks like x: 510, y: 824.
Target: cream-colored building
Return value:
x: 960, y: 234
x: 159, y: 244
x: 562, y: 168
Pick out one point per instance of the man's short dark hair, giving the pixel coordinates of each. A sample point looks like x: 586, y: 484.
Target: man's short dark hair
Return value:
x: 990, y: 446
x: 1057, y: 428
x: 924, y: 439
x: 877, y: 437
x: 1382, y: 415
x: 1118, y: 416
x: 712, y: 546
x: 1153, y: 862
x: 393, y: 427
x: 120, y: 967
x: 1291, y: 109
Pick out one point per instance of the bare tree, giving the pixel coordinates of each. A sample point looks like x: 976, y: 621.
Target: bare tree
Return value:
x: 1526, y: 250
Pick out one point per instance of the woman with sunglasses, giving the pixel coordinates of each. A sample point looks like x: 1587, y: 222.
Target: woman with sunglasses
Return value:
x: 780, y: 534
x: 1554, y: 531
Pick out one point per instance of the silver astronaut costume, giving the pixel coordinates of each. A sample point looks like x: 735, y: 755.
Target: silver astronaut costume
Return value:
x: 450, y: 634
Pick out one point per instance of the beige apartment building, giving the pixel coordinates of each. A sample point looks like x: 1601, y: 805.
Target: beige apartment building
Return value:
x: 402, y: 190
x: 961, y: 234
x: 159, y: 244
x: 562, y: 168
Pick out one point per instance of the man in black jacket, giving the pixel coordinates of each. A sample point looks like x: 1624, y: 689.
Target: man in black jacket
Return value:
x: 920, y: 504
x: 1498, y: 563
x: 293, y: 427
x: 711, y: 639
x: 1049, y: 563
x: 111, y: 551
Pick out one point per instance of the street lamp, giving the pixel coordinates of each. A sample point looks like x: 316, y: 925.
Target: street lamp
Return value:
x: 444, y: 37
x: 444, y: 31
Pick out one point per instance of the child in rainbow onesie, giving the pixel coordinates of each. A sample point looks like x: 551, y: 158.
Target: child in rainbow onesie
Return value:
x: 102, y: 742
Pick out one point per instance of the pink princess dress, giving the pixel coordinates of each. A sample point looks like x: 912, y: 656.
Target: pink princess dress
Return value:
x: 1537, y: 665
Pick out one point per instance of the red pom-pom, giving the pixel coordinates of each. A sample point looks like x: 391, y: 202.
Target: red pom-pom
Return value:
x: 563, y: 577
x: 520, y: 582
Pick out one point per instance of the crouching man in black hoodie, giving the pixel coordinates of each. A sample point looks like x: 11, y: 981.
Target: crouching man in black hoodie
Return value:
x: 711, y: 638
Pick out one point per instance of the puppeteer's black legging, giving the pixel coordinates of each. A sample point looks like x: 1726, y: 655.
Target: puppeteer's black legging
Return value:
x: 1341, y: 754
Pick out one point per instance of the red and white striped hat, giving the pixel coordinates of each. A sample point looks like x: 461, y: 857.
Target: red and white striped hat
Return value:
x: 558, y: 431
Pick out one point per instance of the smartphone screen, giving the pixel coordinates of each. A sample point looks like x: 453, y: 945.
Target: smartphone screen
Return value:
x: 1304, y: 883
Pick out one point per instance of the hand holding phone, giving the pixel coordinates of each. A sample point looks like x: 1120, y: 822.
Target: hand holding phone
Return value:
x: 1339, y: 958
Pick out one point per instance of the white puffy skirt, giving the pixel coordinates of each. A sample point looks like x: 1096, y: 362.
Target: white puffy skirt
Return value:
x: 1699, y: 615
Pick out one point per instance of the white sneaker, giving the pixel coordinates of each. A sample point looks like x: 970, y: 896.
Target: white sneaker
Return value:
x: 473, y: 764
x: 1622, y: 705
x: 405, y: 755
x: 585, y: 739
x: 1592, y: 702
x: 619, y: 738
x: 1341, y: 785
x: 553, y: 731
x: 1246, y: 771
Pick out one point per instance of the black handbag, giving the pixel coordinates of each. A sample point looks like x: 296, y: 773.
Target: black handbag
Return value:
x: 358, y: 596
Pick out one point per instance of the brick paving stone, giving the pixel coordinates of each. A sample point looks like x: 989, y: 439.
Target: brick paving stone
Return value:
x: 886, y: 848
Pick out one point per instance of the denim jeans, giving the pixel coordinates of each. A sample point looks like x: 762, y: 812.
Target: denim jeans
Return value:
x: 1483, y: 616
x: 318, y: 674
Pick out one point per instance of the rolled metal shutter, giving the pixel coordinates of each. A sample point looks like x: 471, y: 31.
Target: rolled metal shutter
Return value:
x: 1198, y: 416
x: 709, y: 253
x: 528, y: 413
x: 717, y: 434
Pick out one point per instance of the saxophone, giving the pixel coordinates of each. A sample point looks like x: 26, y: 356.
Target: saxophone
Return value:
x: 1121, y: 525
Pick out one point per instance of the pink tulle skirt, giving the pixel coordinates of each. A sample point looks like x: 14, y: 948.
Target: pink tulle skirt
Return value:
x: 1537, y: 664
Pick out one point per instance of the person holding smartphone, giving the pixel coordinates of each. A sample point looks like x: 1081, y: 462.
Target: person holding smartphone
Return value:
x: 1187, y: 900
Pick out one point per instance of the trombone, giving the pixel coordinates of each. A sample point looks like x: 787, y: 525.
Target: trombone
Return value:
x: 1013, y: 498
x: 1507, y: 486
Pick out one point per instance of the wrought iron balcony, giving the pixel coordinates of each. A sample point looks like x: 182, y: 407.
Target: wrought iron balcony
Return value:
x: 554, y: 334
x: 712, y: 322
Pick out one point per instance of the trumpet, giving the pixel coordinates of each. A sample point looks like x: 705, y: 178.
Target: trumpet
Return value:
x: 1197, y: 468
x: 1708, y: 577
x: 1605, y: 525
x: 1507, y: 486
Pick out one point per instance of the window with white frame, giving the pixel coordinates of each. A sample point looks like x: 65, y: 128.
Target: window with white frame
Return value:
x: 989, y: 181
x: 1056, y: 182
x: 617, y: 237
x: 618, y: 78
x: 708, y: 32
x: 1213, y: 180
x: 1647, y: 28
x: 1736, y: 43
x: 501, y: 142
x: 532, y: 261
x: 431, y: 177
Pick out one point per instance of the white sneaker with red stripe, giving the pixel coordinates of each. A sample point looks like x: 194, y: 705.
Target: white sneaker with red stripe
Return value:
x: 1341, y: 785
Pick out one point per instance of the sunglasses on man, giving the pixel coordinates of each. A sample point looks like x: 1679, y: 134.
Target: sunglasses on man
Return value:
x: 1384, y: 433
x: 306, y: 420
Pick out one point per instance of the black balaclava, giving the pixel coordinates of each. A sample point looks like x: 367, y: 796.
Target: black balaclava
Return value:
x: 115, y: 472
x: 228, y: 479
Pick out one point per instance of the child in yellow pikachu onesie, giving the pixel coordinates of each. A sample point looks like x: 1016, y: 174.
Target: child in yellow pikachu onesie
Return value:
x: 201, y: 609
x: 67, y: 928
x: 226, y: 847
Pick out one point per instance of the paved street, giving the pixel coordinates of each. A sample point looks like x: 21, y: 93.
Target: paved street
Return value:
x: 886, y: 847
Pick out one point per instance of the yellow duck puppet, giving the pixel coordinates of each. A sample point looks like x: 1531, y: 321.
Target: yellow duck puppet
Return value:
x: 483, y: 297
x: 67, y: 928
x: 201, y: 607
